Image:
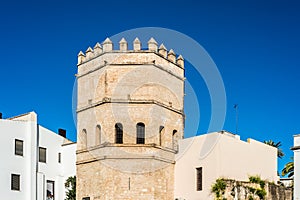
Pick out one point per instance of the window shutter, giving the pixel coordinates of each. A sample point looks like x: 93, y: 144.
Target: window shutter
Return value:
x: 42, y: 154
x: 199, y: 178
x: 15, y: 182
x: 19, y: 147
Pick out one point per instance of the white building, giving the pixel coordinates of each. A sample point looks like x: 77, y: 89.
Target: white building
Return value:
x: 296, y: 150
x: 34, y: 160
x: 203, y: 159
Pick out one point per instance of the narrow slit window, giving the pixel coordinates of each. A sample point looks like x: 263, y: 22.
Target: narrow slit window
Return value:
x: 199, y: 178
x: 83, y: 139
x: 98, y: 135
x: 59, y: 157
x: 161, y: 129
x: 175, y: 140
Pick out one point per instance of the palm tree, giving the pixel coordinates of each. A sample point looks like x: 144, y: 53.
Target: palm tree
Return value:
x: 288, y: 169
x: 280, y: 153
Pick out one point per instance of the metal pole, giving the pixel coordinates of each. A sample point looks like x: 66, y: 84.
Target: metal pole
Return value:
x: 236, y: 118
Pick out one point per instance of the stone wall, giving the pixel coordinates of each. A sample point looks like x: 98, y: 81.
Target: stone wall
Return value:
x: 244, y: 191
x: 100, y: 181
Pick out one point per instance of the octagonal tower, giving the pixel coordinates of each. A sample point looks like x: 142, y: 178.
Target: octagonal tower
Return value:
x: 129, y: 119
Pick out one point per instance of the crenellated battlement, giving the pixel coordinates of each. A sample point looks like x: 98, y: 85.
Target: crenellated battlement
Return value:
x: 108, y: 46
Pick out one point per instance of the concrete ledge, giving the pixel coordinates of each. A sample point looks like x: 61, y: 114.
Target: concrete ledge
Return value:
x: 134, y: 157
x: 152, y: 145
x: 130, y: 101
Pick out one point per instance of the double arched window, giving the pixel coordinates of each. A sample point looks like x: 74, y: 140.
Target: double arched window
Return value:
x: 140, y: 133
x: 119, y: 133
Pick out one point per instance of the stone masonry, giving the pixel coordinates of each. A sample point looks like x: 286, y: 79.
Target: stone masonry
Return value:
x: 126, y: 90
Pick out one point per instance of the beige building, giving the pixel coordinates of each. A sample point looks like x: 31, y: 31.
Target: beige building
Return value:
x: 130, y: 124
x: 129, y: 120
x: 203, y: 159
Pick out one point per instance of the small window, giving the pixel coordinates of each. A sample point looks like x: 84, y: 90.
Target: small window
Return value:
x: 59, y: 157
x: 119, y: 133
x: 15, y: 182
x: 140, y: 133
x: 18, y: 147
x: 175, y: 140
x: 50, y: 190
x: 199, y: 178
x: 83, y: 139
x: 98, y: 135
x: 86, y: 198
x: 42, y: 154
x: 161, y: 129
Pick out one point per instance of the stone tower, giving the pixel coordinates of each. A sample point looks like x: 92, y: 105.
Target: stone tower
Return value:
x: 129, y: 119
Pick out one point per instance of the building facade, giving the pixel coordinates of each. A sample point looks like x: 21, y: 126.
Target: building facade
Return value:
x: 204, y: 159
x: 129, y: 120
x: 296, y: 150
x: 36, y: 161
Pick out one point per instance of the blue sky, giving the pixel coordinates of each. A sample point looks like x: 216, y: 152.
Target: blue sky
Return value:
x: 255, y: 45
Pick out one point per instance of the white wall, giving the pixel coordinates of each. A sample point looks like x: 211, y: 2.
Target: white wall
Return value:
x: 68, y: 161
x: 297, y: 167
x: 14, y: 164
x: 220, y: 156
x: 52, y: 169
x: 25, y: 128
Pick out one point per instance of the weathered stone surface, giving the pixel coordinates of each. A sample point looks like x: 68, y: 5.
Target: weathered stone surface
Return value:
x: 240, y: 190
x: 128, y: 87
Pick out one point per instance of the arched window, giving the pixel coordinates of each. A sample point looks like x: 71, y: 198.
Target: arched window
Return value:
x: 174, y: 139
x: 83, y: 139
x: 161, y: 130
x: 98, y: 135
x: 140, y: 133
x: 119, y: 133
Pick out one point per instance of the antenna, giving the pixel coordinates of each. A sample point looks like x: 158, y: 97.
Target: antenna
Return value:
x: 236, y: 117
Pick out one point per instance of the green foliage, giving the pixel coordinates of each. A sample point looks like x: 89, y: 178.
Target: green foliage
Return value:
x: 260, y: 192
x: 254, y: 179
x: 219, y: 188
x: 288, y: 169
x: 280, y: 153
x: 70, y: 185
x: 252, y: 190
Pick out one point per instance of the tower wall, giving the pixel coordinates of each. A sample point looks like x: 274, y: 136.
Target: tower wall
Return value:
x: 128, y: 87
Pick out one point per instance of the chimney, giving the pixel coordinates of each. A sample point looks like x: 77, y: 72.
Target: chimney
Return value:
x: 62, y: 132
x: 0, y: 115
